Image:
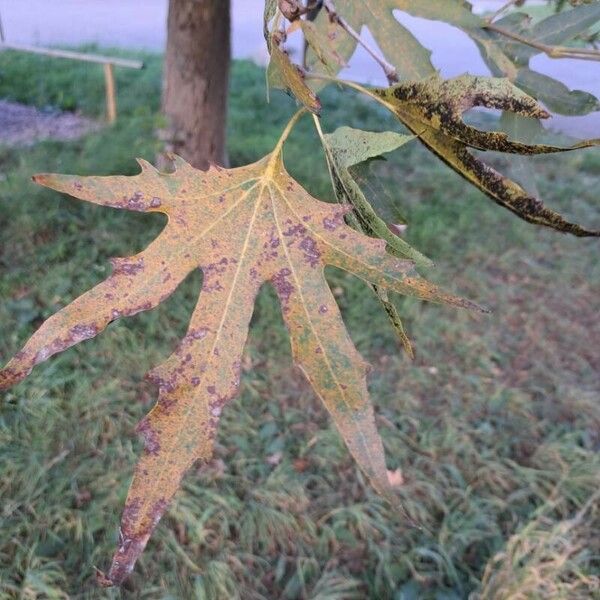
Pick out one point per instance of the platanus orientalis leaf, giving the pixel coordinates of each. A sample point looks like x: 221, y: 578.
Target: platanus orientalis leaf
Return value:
x: 506, y: 57
x: 242, y: 227
x: 432, y: 109
x: 323, y: 50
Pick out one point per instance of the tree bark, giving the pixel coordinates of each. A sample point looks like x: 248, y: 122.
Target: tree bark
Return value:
x: 196, y: 80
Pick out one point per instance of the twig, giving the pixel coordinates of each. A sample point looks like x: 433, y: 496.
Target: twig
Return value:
x: 351, y: 84
x: 1, y: 30
x: 550, y: 51
x: 501, y: 10
x: 388, y: 69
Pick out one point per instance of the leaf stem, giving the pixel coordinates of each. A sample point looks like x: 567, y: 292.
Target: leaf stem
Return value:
x: 351, y: 84
x: 503, y: 8
x: 550, y: 51
x: 276, y: 154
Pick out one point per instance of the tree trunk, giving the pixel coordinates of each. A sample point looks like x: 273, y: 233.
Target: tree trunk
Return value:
x: 196, y: 80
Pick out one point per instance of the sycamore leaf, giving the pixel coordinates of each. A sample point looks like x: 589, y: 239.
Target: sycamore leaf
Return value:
x: 410, y: 58
x: 242, y: 227
x: 551, y: 31
x: 432, y: 109
x: 284, y: 74
x: 504, y: 56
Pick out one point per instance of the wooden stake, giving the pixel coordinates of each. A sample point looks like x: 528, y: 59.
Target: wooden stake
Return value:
x: 111, y: 100
x: 94, y: 58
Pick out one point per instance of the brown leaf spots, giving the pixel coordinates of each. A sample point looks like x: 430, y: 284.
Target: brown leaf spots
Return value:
x: 126, y: 266
x: 312, y: 254
x: 151, y: 437
x: 83, y: 332
x: 282, y: 286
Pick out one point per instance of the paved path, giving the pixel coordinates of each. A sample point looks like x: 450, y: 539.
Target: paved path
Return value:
x: 141, y: 24
x: 22, y: 125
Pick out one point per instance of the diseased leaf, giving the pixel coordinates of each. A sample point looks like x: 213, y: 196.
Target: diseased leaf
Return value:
x: 432, y: 109
x: 504, y: 56
x: 395, y: 320
x: 242, y: 227
x: 284, y: 74
x: 508, y: 57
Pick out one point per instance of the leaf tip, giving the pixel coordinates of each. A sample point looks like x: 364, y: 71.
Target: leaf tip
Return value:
x: 482, y: 309
x: 102, y: 580
x: 40, y: 178
x: 178, y: 162
x: 145, y: 165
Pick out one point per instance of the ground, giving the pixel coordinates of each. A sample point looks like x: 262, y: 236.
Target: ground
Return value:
x: 24, y: 125
x: 494, y: 425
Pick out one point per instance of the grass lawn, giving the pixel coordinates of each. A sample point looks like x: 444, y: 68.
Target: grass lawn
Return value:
x: 495, y: 424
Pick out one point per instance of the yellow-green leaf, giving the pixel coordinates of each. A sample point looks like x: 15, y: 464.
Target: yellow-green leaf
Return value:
x: 398, y: 45
x: 242, y: 227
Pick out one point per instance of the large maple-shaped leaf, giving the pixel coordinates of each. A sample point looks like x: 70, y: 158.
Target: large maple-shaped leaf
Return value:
x: 242, y: 227
x: 432, y: 109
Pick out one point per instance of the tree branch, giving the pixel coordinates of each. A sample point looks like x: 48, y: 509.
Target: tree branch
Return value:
x: 388, y: 68
x: 550, y: 51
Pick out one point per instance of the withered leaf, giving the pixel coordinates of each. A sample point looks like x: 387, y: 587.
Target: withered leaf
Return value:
x: 432, y: 109
x: 242, y: 227
x: 282, y: 73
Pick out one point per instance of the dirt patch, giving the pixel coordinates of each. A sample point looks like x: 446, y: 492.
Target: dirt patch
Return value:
x: 22, y: 125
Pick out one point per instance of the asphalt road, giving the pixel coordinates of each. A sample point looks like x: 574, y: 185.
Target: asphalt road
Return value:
x: 140, y: 24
